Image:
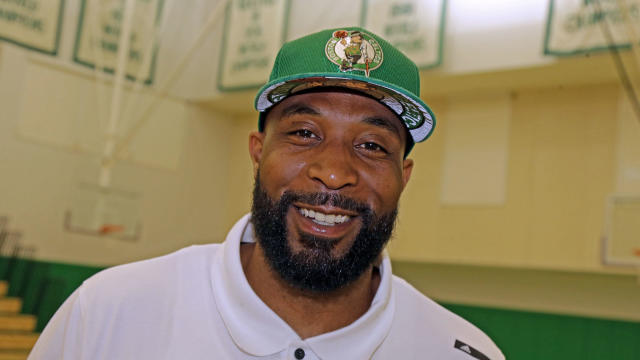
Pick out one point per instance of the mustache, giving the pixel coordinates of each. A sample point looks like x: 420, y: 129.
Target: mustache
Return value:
x: 324, y: 198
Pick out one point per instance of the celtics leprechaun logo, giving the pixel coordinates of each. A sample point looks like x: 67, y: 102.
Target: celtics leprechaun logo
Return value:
x: 354, y: 50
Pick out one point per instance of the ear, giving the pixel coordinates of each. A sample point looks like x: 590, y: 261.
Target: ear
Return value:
x: 407, y: 167
x: 256, y: 141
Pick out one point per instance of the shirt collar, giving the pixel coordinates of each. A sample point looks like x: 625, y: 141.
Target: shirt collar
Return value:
x: 257, y: 330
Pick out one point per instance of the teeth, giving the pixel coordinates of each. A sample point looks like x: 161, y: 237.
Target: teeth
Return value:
x: 324, y: 219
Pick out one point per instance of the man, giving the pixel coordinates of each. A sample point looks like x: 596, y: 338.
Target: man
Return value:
x: 304, y: 275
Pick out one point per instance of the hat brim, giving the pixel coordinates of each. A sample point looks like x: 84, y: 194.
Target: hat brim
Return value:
x: 416, y: 116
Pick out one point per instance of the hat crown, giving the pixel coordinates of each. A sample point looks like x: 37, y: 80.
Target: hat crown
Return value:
x: 307, y: 55
x: 351, y: 58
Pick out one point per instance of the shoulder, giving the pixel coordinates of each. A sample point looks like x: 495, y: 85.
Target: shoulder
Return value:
x: 128, y: 309
x: 426, y: 324
x: 149, y: 278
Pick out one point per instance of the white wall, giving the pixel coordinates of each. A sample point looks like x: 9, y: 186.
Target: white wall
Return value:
x: 492, y: 35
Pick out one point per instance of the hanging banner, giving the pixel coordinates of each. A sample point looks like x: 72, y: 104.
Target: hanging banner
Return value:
x: 579, y: 26
x: 253, y: 33
x: 99, y: 33
x: 32, y: 24
x: 416, y: 27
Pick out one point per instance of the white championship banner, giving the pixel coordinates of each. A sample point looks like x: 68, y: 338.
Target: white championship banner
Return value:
x: 414, y: 26
x: 99, y: 33
x: 32, y: 24
x: 580, y: 26
x: 253, y: 34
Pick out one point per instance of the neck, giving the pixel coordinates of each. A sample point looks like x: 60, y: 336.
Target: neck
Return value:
x: 308, y: 313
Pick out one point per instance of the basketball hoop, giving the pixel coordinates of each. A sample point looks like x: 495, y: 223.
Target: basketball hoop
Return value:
x: 104, y: 211
x: 621, y: 242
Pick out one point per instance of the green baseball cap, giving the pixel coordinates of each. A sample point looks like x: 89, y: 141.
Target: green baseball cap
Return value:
x: 351, y: 58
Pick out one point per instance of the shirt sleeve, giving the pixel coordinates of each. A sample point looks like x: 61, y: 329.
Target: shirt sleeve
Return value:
x: 62, y: 338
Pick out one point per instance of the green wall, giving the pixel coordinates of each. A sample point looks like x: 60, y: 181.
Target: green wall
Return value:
x: 43, y: 286
x: 528, y: 335
x: 521, y: 335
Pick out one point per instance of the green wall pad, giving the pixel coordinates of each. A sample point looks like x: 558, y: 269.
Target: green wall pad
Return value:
x: 533, y: 336
x: 43, y: 286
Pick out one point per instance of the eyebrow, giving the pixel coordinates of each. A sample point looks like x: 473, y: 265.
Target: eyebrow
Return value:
x: 299, y: 109
x: 383, y: 123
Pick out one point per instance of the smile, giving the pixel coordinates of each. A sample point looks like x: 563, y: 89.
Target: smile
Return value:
x: 322, y: 218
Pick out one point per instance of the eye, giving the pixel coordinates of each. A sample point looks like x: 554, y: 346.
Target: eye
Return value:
x: 371, y: 146
x: 304, y: 133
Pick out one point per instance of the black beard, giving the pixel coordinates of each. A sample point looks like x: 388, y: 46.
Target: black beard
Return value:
x: 315, y: 268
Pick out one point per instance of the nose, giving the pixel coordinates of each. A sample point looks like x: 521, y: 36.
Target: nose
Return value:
x: 333, y: 167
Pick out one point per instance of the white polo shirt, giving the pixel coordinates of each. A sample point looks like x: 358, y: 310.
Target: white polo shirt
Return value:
x: 197, y: 304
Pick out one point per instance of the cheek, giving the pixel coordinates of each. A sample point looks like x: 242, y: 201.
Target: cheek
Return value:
x: 386, y: 187
x: 279, y: 173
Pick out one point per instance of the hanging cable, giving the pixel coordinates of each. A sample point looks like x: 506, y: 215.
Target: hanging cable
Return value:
x: 619, y: 64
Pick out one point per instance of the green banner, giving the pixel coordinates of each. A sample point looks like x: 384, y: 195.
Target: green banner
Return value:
x: 98, y: 36
x: 32, y: 24
x: 580, y: 26
x: 416, y: 27
x: 253, y: 34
